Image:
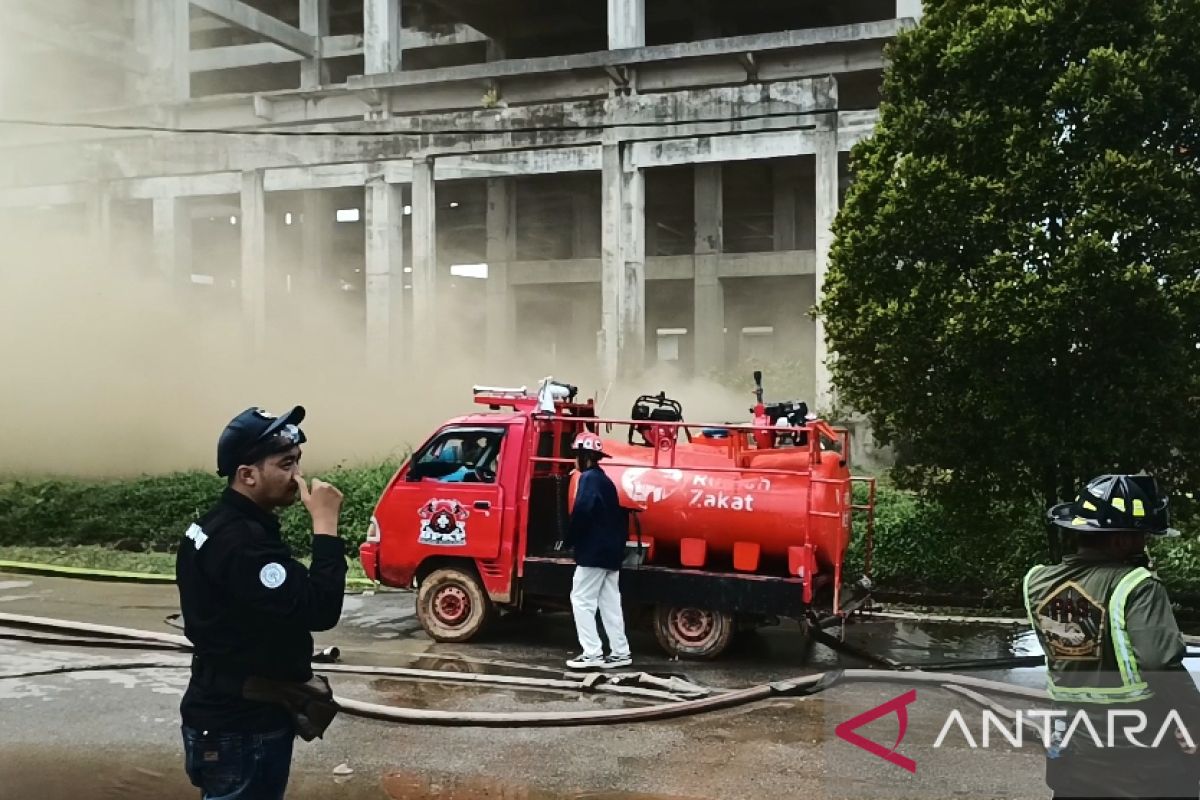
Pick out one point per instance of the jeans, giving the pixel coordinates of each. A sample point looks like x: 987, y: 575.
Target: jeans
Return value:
x: 238, y: 766
x: 594, y: 587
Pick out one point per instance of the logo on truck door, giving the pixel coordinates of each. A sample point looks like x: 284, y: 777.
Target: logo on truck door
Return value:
x: 443, y: 523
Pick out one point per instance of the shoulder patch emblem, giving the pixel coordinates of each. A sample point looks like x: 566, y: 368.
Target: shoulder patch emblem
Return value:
x: 272, y: 575
x: 197, y: 535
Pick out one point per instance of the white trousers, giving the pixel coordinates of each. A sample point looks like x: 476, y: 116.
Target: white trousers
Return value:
x: 592, y: 588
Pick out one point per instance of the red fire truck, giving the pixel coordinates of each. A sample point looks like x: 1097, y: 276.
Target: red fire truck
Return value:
x: 732, y: 525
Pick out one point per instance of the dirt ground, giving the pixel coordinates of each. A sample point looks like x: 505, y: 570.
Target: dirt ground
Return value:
x: 114, y: 733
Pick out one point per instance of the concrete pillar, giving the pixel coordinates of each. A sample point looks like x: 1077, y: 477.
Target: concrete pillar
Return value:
x: 254, y: 257
x: 783, y: 178
x: 584, y: 243
x: 633, y: 300
x: 708, y: 296
x: 424, y: 255
x: 381, y: 36
x: 314, y: 20
x: 172, y: 223
x: 316, y: 235
x: 385, y: 272
x: 826, y: 197
x: 100, y: 226
x: 626, y: 24
x: 909, y: 8
x: 501, y: 250
x: 164, y: 29
x: 622, y: 265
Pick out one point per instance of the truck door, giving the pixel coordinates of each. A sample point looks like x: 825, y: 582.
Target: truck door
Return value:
x: 449, y: 500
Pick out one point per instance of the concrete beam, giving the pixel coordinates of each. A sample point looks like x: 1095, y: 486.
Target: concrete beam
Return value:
x: 115, y: 158
x: 251, y: 19
x: 664, y: 268
x: 330, y: 176
x: 34, y: 196
x: 214, y: 183
x: 254, y: 257
x: 250, y: 55
x: 519, y: 162
x: 735, y: 147
x: 411, y: 38
x: 384, y: 273
x: 785, y: 263
x: 637, y: 56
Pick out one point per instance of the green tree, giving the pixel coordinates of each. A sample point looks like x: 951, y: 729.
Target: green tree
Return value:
x: 1013, y: 294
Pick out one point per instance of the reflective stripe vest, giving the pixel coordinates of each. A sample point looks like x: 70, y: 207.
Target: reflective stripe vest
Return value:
x: 1078, y: 610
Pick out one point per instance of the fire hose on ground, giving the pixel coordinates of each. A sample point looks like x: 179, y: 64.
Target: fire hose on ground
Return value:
x: 678, y: 704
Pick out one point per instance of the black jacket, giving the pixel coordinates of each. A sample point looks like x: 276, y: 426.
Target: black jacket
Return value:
x: 248, y: 609
x: 599, y: 526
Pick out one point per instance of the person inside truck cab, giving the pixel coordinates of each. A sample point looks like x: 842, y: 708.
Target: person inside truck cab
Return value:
x: 462, y: 458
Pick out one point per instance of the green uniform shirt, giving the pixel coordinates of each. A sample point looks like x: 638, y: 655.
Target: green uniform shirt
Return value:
x: 1106, y: 627
x: 1111, y: 641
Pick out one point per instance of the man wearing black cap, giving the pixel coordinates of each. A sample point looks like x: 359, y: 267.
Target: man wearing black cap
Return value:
x: 249, y: 609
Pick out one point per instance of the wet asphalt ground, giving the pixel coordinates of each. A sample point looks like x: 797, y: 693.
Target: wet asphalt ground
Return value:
x: 114, y: 733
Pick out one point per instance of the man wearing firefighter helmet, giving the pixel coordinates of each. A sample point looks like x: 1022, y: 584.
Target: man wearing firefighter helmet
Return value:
x: 597, y: 533
x: 1114, y: 651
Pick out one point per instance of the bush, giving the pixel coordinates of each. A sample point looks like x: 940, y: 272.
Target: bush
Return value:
x: 151, y: 513
x: 919, y: 547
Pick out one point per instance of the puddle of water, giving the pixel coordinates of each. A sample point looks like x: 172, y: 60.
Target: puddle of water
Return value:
x: 416, y: 786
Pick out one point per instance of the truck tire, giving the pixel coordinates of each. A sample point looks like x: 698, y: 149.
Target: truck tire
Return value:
x: 452, y: 606
x: 690, y: 632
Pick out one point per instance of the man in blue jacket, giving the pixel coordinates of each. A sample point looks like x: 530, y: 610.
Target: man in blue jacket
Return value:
x: 597, y: 533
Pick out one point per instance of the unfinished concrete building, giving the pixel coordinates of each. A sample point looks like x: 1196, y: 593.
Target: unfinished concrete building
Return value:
x: 644, y: 180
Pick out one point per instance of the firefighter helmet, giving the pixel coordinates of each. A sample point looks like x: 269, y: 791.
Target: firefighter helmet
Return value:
x: 588, y: 442
x: 1116, y: 504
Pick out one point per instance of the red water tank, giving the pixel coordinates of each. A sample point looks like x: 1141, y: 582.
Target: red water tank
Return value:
x: 772, y: 499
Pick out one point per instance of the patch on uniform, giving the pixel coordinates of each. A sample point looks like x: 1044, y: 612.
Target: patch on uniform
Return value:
x: 197, y: 535
x: 1072, y: 624
x: 272, y: 575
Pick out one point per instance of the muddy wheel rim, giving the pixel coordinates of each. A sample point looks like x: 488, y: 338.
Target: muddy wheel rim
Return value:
x: 694, y: 627
x: 451, y: 605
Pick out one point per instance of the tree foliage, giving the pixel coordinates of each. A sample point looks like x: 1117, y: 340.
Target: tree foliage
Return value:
x: 1013, y: 293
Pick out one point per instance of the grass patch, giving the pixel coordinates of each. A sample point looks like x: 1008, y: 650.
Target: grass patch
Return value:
x: 103, y: 558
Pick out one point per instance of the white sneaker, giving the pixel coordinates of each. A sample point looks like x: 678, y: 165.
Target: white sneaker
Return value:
x: 614, y: 661
x: 587, y: 662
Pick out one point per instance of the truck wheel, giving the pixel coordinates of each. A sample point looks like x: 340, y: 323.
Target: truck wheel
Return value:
x: 693, y: 632
x: 452, y: 606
